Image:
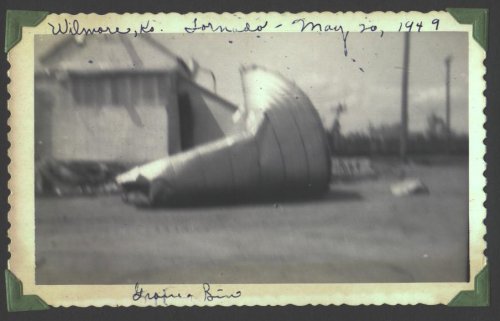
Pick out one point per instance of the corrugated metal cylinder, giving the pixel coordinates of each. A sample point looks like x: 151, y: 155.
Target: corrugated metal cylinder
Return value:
x: 282, y: 149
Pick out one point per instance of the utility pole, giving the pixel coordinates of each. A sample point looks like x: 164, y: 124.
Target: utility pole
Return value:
x: 403, y: 145
x: 447, y: 62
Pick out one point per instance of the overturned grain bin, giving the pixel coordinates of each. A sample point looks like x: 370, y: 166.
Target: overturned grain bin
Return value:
x: 281, y: 148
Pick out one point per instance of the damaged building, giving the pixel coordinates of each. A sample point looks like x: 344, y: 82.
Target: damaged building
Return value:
x: 121, y: 98
x: 131, y: 101
x: 112, y: 99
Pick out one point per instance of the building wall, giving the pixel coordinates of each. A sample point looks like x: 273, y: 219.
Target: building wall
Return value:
x: 99, y: 133
x: 45, y: 98
x: 72, y: 124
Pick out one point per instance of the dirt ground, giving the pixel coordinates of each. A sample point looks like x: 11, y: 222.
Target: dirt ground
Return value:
x: 358, y: 232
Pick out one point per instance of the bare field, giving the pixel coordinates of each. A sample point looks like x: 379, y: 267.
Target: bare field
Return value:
x: 358, y: 232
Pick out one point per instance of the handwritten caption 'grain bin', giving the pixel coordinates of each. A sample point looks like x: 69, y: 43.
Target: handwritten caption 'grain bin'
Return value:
x: 167, y: 295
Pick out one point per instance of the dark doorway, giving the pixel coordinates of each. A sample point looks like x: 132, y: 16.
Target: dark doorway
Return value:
x: 186, y: 121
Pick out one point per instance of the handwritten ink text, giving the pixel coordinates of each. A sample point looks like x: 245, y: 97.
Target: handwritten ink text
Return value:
x: 221, y: 28
x: 74, y: 28
x: 311, y: 26
x: 155, y: 296
x: 211, y: 296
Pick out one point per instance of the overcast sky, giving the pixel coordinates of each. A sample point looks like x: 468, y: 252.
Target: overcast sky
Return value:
x: 316, y: 62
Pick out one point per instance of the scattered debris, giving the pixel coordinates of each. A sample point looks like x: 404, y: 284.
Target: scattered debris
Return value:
x: 62, y: 178
x: 352, y: 168
x: 409, y: 186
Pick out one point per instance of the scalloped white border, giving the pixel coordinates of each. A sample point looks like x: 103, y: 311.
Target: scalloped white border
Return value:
x: 21, y: 169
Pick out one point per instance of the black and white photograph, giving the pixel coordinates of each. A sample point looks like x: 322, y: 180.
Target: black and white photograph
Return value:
x: 251, y: 158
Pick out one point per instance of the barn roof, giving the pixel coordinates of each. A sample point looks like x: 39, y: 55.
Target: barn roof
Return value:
x: 106, y: 53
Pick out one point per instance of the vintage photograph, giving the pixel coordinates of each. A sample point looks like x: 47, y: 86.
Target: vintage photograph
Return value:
x: 171, y: 158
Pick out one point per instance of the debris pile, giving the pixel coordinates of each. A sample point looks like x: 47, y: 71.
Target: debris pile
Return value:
x: 68, y: 178
x: 409, y: 186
